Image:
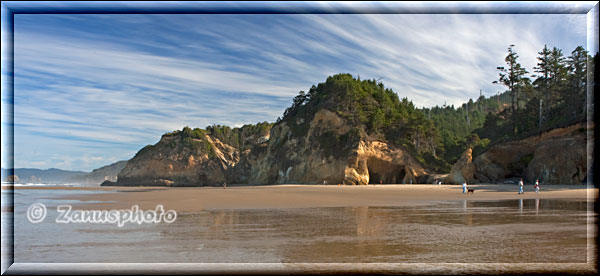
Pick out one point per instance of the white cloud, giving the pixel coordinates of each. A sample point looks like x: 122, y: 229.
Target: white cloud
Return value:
x: 451, y: 55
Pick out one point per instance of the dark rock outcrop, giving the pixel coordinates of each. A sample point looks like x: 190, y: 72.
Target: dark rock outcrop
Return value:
x: 557, y: 156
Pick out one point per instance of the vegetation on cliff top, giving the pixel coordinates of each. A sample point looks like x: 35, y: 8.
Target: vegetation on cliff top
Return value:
x: 241, y: 138
x: 456, y: 125
x: 554, y: 97
x: 370, y: 109
x: 436, y: 136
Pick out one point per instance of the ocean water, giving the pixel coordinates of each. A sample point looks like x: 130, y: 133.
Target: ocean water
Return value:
x: 464, y: 231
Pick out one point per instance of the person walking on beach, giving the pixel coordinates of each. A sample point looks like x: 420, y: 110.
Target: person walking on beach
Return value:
x: 537, y: 186
x: 224, y: 185
x: 465, y: 187
x: 521, y: 186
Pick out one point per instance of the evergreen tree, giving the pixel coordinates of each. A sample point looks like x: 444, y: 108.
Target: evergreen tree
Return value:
x: 577, y: 69
x: 577, y: 80
x: 513, y: 78
x: 558, y: 76
x: 542, y: 82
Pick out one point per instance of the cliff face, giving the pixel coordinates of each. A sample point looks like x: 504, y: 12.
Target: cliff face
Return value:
x: 378, y: 162
x: 331, y: 151
x: 303, y: 159
x: 177, y: 160
x: 334, y: 152
x: 555, y: 157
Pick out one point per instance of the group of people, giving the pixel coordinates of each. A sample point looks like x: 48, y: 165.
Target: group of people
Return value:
x: 536, y: 186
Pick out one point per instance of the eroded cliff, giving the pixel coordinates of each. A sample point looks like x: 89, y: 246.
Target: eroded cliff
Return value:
x: 557, y: 156
x: 342, y: 131
x: 332, y: 151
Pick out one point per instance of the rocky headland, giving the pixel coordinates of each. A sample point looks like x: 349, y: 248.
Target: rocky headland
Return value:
x: 347, y: 131
x: 320, y: 139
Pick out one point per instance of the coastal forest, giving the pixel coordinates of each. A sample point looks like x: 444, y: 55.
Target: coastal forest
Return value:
x: 550, y: 95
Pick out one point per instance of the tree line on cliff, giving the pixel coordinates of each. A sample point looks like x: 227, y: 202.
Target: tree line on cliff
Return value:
x: 553, y: 97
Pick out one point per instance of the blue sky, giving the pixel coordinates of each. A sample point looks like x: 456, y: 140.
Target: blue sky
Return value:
x: 94, y: 89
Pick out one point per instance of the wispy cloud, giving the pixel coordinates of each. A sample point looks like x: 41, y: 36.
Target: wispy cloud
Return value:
x: 92, y: 89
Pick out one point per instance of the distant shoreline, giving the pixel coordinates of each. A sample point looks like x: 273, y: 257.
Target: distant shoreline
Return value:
x: 195, y: 199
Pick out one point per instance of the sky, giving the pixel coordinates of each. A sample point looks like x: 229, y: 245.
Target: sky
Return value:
x: 92, y: 89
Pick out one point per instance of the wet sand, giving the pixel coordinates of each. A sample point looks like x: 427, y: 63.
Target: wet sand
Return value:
x: 194, y: 199
x: 411, y: 229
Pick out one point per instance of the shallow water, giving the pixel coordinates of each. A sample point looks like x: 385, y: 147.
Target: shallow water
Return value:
x: 506, y: 231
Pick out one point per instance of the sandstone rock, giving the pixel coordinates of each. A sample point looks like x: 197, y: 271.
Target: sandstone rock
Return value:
x: 173, y: 162
x: 311, y: 159
x: 559, y: 160
x: 290, y: 158
x: 557, y: 157
x: 329, y: 150
x: 463, y: 170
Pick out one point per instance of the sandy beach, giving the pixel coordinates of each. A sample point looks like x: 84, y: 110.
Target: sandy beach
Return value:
x: 289, y: 224
x: 193, y: 199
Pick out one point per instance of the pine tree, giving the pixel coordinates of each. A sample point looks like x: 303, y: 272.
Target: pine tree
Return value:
x: 513, y: 78
x: 558, y: 75
x: 577, y: 79
x: 542, y: 81
x: 577, y: 68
